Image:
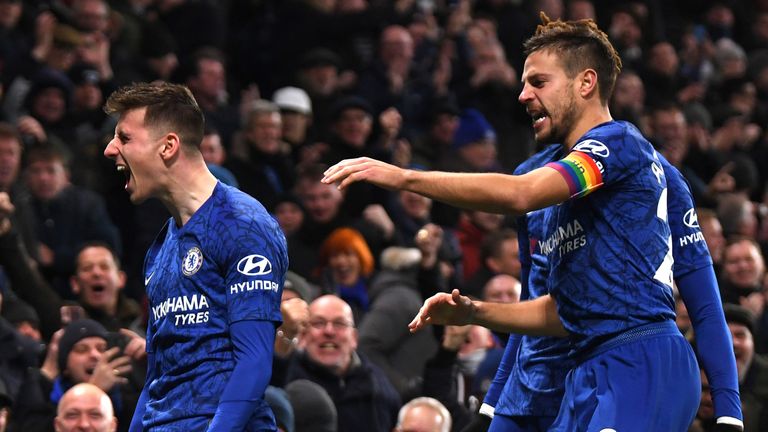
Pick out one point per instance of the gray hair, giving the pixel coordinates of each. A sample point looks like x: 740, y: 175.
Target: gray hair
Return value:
x: 430, y: 403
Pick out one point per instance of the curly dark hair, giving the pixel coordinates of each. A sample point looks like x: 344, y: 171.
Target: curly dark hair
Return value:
x: 581, y: 45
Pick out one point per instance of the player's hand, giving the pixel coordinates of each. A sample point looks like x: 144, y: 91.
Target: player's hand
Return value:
x: 366, y: 169
x: 444, y: 308
x: 136, y: 346
x: 479, y: 423
x: 110, y: 370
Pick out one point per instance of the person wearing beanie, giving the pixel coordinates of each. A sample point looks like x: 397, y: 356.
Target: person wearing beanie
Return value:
x: 313, y: 409
x: 474, y: 145
x: 83, y: 356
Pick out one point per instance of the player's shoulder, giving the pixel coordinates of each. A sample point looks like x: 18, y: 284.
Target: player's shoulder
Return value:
x: 236, y: 204
x: 538, y: 160
x: 615, y: 139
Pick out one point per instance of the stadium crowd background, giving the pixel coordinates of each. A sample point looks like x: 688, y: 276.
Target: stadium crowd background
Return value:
x: 291, y: 86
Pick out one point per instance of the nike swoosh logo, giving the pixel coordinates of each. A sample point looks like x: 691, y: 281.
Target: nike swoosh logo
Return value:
x: 148, y: 278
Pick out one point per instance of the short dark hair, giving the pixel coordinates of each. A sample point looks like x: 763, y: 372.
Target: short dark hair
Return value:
x: 9, y: 131
x: 170, y: 107
x: 491, y: 246
x: 581, y: 45
x: 97, y: 244
x: 47, y: 152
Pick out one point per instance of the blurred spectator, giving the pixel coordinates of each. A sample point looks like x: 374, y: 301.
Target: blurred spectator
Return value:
x: 411, y: 214
x: 18, y: 354
x: 350, y: 129
x: 626, y: 32
x: 443, y: 120
x: 85, y: 407
x: 314, y: 411
x: 473, y: 229
x: 91, y: 125
x: 206, y: 77
x: 324, y: 213
x: 215, y: 155
x: 261, y: 162
x: 499, y: 255
x: 98, y: 283
x: 65, y: 216
x: 361, y: 392
x: 185, y: 19
x: 319, y: 73
x: 730, y: 60
x: 705, y: 415
x: 281, y: 407
x: 81, y: 353
x: 737, y: 216
x: 423, y: 414
x: 628, y: 99
x: 23, y: 318
x: 5, y: 406
x: 158, y: 59
x: 384, y: 337
x: 752, y: 367
x: 47, y: 104
x: 474, y: 145
x: 713, y: 235
x: 669, y: 132
x: 580, y: 9
x: 11, y: 151
x: 663, y: 80
x: 345, y: 268
x: 742, y: 276
x: 394, y: 80
x: 502, y: 288
x: 289, y: 213
x: 296, y: 111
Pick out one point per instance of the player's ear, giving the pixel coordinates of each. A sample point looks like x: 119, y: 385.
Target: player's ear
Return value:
x: 588, y: 83
x: 170, y: 146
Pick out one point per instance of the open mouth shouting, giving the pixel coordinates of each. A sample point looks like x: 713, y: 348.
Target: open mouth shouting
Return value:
x: 538, y: 118
x: 122, y: 168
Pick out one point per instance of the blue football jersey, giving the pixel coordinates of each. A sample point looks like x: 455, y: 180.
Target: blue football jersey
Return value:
x: 609, y: 248
x: 226, y: 264
x: 535, y: 384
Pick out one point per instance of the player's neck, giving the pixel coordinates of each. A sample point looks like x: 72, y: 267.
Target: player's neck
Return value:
x: 593, y: 116
x: 189, y: 189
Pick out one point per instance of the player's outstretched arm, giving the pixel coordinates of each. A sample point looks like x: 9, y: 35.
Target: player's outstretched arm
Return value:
x: 536, y: 317
x: 488, y: 192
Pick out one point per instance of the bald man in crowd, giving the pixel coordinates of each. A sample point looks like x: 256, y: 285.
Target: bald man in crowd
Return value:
x: 85, y: 407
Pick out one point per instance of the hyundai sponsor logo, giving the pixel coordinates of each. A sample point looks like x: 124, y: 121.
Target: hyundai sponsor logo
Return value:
x: 254, y: 265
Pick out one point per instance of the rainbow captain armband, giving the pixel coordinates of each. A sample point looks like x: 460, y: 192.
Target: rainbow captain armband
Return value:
x: 580, y: 171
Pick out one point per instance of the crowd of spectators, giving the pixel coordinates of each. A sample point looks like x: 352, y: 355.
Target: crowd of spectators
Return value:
x: 287, y: 88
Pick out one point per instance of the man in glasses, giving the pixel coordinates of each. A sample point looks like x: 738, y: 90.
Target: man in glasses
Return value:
x: 364, y: 397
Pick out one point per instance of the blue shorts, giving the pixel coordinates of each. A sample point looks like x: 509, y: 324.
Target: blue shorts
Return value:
x: 503, y: 423
x: 646, y: 379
